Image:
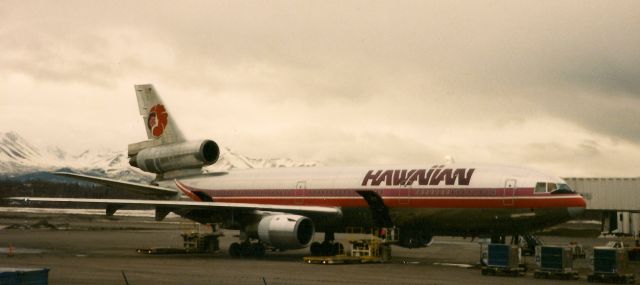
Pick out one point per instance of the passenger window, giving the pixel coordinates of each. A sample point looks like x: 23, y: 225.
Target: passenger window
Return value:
x: 541, y: 187
x: 551, y: 187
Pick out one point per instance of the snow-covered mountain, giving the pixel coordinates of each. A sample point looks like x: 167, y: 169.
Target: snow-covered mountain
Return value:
x: 17, y: 155
x: 231, y: 160
x: 19, y: 158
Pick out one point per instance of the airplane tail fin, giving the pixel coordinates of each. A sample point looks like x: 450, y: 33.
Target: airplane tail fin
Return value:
x: 166, y: 151
x: 157, y: 120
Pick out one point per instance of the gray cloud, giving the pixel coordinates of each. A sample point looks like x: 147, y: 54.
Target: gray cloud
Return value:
x: 343, y: 82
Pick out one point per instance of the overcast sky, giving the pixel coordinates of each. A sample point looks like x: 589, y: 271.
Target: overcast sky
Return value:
x: 553, y: 85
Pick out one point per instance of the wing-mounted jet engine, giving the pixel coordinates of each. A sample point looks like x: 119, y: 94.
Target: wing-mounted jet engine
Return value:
x: 276, y: 231
x: 285, y: 231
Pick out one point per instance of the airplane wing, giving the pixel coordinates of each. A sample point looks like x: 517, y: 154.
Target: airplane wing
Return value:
x: 139, y: 188
x: 171, y: 205
x: 163, y: 206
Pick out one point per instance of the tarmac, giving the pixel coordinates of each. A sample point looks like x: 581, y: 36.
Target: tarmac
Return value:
x: 90, y: 249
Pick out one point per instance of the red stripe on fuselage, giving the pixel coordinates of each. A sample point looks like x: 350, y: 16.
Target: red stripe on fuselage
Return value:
x: 399, y: 197
x: 440, y: 202
x: 186, y: 190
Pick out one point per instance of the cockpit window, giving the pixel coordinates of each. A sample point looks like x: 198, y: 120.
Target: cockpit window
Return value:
x: 564, y: 187
x: 554, y: 188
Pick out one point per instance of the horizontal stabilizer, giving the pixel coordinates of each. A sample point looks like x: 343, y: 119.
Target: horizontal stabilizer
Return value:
x: 144, y: 189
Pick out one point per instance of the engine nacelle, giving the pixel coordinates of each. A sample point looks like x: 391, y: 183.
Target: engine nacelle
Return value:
x: 286, y: 231
x: 164, y: 158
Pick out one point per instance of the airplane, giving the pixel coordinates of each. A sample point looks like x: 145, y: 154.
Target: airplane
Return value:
x: 282, y: 208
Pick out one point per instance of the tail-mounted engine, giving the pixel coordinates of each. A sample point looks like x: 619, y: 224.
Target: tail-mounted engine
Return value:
x: 175, y: 156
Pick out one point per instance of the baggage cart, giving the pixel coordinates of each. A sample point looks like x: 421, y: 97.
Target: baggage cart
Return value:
x: 503, y: 259
x: 610, y: 265
x: 555, y: 262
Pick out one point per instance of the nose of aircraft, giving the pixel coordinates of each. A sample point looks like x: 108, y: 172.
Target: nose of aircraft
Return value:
x: 575, y: 211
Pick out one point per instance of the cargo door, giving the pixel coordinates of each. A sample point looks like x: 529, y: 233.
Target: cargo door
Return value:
x: 299, y: 192
x: 509, y: 192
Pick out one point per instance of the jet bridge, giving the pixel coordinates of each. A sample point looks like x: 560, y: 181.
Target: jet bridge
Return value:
x: 618, y: 199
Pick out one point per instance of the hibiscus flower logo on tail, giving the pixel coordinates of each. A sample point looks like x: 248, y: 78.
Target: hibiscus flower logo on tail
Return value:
x: 157, y: 120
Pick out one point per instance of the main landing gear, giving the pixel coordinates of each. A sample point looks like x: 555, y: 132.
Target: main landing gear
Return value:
x: 329, y: 247
x: 247, y: 249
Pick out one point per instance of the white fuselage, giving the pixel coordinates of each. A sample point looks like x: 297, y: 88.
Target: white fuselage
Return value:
x: 443, y: 199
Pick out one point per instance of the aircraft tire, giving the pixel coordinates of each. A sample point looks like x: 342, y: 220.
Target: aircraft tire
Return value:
x: 327, y: 248
x: 337, y: 249
x: 246, y: 249
x: 258, y: 249
x: 235, y: 249
x: 315, y: 248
